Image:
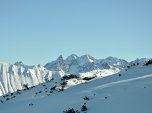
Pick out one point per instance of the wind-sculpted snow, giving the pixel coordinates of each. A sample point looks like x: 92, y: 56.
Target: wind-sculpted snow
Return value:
x: 14, y: 77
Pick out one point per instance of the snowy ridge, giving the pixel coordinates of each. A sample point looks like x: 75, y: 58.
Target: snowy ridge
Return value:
x: 13, y: 77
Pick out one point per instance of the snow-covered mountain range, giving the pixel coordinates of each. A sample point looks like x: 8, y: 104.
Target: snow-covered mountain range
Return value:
x: 128, y: 89
x: 15, y: 76
x: 75, y: 65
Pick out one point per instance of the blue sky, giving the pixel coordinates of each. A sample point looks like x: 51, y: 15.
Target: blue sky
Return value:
x: 38, y: 31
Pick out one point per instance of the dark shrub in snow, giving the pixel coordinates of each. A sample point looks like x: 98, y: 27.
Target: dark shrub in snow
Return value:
x: 25, y: 86
x: 63, y: 84
x: 67, y: 77
x: 149, y: 62
x: 119, y: 75
x: 53, y: 88
x: 88, y: 78
x: 12, y: 93
x: 71, y: 110
x: 31, y: 104
x: 1, y: 101
x: 7, y: 99
x: 84, y: 107
x: 86, y: 98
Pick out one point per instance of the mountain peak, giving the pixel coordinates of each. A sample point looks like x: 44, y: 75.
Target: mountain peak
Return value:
x: 19, y: 63
x: 88, y: 58
x: 60, y: 58
x: 111, y: 58
x: 72, y: 57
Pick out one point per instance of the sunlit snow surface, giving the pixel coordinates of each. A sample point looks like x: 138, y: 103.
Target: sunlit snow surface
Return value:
x: 129, y: 93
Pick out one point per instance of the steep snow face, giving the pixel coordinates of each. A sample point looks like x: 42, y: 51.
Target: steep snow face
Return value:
x: 13, y: 77
x: 75, y: 65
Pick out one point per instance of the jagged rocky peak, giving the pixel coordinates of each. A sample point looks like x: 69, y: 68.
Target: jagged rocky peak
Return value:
x: 86, y: 59
x: 60, y: 58
x: 56, y: 65
x: 19, y: 63
x: 72, y: 57
x: 84, y: 63
x: 138, y: 62
x: 115, y: 61
x: 112, y: 59
x: 39, y: 65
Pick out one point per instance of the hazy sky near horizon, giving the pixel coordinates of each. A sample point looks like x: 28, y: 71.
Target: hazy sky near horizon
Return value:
x: 38, y: 31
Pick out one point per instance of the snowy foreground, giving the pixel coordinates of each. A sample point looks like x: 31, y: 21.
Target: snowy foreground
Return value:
x: 125, y: 92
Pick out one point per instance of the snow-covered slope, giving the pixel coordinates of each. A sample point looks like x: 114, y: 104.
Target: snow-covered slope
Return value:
x: 125, y: 92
